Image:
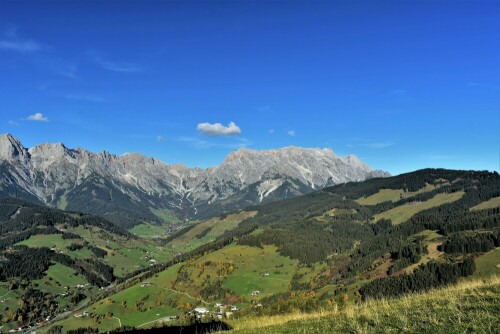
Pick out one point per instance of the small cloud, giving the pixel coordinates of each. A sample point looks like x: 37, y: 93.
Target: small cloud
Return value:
x: 37, y: 117
x: 472, y: 84
x: 68, y: 71
x: 160, y: 139
x: 116, y: 66
x: 20, y: 46
x: 217, y: 129
x: 271, y: 131
x: 12, y: 42
x: 13, y: 123
x: 379, y: 145
x: 291, y: 133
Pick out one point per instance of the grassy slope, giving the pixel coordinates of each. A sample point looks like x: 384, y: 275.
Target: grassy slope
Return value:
x: 155, y: 304
x: 47, y: 240
x: 469, y: 307
x: 148, y: 230
x: 165, y: 215
x: 63, y: 203
x: 217, y: 226
x: 164, y: 297
x: 249, y: 264
x: 62, y: 276
x: 392, y: 195
x: 432, y: 240
x: 124, y: 254
x: 404, y: 212
x: 55, y: 281
x: 488, y: 264
x: 489, y: 204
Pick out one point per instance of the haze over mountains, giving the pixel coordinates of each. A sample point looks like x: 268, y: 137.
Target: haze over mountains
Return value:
x: 126, y: 188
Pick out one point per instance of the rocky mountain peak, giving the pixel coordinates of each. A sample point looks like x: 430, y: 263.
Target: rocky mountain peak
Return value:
x: 51, y: 171
x: 50, y: 151
x: 11, y: 149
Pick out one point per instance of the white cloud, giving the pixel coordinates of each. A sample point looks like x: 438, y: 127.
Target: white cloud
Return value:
x: 13, y: 42
x: 37, y: 117
x: 64, y: 69
x: 12, y: 123
x: 291, y: 133
x: 115, y: 66
x: 20, y: 46
x: 160, y: 139
x: 218, y: 129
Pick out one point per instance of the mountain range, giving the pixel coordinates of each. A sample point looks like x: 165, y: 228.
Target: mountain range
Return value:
x: 126, y: 188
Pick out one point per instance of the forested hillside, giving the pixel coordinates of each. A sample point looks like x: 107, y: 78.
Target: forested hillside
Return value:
x: 353, y: 242
x: 52, y: 261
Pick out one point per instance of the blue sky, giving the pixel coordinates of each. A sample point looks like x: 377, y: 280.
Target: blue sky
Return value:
x: 402, y: 85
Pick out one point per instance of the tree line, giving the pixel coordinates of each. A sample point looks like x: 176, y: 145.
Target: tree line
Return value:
x: 471, y: 243
x: 425, y: 277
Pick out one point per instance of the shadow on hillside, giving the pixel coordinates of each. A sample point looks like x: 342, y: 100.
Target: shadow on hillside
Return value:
x: 198, y: 328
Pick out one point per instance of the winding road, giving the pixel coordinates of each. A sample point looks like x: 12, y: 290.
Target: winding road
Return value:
x: 119, y: 321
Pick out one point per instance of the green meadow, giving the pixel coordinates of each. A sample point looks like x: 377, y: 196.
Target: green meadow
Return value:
x: 135, y: 306
x: 392, y: 195
x: 404, y: 212
x: 250, y: 263
x: 489, y: 204
x: 208, y: 230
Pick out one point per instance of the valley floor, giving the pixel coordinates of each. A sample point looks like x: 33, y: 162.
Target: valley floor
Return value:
x: 468, y: 307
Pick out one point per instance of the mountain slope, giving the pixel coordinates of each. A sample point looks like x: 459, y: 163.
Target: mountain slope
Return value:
x: 318, y: 251
x: 466, y: 307
x: 65, y: 258
x: 126, y: 188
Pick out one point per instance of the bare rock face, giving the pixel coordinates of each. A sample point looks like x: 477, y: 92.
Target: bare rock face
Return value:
x: 106, y: 184
x: 11, y: 149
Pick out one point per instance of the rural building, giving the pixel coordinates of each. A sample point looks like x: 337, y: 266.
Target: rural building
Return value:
x: 81, y: 314
x: 201, y: 310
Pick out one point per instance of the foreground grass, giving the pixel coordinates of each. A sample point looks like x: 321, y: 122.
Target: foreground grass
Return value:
x: 469, y: 307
